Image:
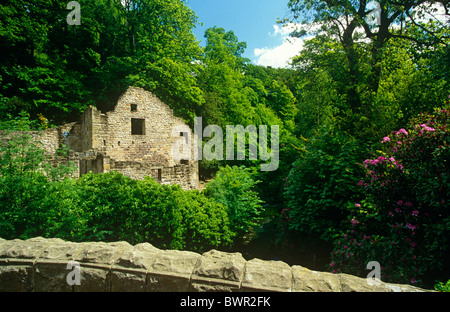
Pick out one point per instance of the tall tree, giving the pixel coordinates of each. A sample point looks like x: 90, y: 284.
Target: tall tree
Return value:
x: 348, y: 19
x: 57, y: 69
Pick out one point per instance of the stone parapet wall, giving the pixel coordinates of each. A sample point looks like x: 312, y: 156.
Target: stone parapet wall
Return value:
x: 41, y: 265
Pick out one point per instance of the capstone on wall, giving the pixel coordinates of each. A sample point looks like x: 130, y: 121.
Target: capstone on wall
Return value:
x: 136, y: 139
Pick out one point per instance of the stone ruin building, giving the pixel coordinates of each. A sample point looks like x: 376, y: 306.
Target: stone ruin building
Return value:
x: 136, y: 139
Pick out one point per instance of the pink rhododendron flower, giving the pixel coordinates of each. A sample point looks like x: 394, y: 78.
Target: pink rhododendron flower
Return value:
x: 402, y: 131
x: 426, y: 128
x: 385, y: 139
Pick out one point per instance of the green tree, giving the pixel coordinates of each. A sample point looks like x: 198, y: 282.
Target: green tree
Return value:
x: 350, y: 22
x: 224, y: 47
x: 58, y: 69
x: 234, y: 187
x: 322, y: 183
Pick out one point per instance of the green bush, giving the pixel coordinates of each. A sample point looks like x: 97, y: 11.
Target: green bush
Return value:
x: 109, y: 209
x: 234, y: 187
x: 322, y: 182
x: 25, y: 183
x: 114, y: 207
x: 178, y: 219
x: 441, y: 287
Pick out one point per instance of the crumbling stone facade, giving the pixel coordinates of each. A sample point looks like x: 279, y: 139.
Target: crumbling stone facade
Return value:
x: 136, y: 139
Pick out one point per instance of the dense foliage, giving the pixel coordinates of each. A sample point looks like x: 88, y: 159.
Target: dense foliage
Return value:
x: 234, y: 187
x: 321, y: 184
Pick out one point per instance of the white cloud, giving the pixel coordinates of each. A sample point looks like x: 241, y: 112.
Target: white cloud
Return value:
x: 282, y: 31
x: 279, y: 56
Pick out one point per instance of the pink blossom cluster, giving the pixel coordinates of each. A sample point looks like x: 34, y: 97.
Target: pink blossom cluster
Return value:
x: 385, y: 139
x: 401, y: 131
x: 398, y: 133
x: 425, y: 127
x: 382, y: 159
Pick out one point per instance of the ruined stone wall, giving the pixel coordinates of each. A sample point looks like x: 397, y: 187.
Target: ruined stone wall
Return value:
x: 153, y: 145
x: 110, y: 135
x: 40, y: 265
x: 147, y: 152
x: 50, y: 141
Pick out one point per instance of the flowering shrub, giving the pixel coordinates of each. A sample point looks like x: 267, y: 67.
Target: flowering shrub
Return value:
x: 404, y: 221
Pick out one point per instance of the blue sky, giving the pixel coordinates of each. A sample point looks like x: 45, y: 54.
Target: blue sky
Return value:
x: 253, y: 21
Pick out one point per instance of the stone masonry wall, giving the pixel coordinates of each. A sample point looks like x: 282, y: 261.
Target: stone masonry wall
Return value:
x: 40, y: 265
x: 110, y: 136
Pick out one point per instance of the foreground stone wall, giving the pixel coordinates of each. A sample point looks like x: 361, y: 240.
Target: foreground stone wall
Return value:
x: 40, y: 265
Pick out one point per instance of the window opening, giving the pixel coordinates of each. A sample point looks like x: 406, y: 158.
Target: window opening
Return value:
x: 137, y: 126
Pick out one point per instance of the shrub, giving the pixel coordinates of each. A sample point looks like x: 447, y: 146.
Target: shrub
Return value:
x: 234, y: 187
x: 24, y: 184
x: 178, y: 219
x: 115, y: 207
x: 322, y: 182
x: 441, y: 287
x: 109, y: 209
x: 404, y: 222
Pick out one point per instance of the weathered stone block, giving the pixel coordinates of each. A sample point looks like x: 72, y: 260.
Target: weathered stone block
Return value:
x: 305, y: 280
x: 171, y: 271
x: 260, y: 275
x: 26, y: 249
x: 51, y: 277
x: 405, y: 288
x: 96, y: 261
x: 16, y: 278
x: 350, y: 283
x: 102, y: 253
x: 94, y: 278
x: 218, y: 271
x: 129, y: 273
x: 128, y: 280
x: 51, y: 267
